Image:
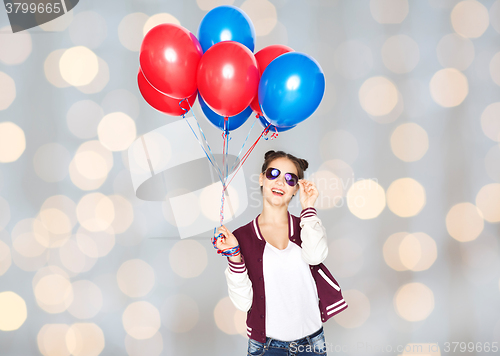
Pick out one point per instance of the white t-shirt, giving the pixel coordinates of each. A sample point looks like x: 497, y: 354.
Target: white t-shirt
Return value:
x: 292, y: 310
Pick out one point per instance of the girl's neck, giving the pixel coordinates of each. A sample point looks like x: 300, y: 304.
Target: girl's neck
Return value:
x: 272, y: 214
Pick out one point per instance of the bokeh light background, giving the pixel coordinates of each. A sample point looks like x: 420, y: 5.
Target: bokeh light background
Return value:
x: 404, y: 148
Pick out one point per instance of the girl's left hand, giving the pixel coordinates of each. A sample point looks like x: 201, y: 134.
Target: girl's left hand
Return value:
x: 308, y: 193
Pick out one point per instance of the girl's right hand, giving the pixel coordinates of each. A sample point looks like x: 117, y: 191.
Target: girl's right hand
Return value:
x: 228, y: 240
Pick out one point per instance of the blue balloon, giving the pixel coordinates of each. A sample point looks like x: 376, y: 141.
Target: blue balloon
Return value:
x: 273, y: 128
x: 233, y: 122
x: 226, y: 23
x: 291, y: 89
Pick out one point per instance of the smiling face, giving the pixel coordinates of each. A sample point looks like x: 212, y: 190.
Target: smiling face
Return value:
x: 277, y: 191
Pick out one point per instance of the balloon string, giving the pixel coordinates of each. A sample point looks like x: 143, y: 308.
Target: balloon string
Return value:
x: 199, y: 141
x: 245, y: 156
x: 206, y: 142
x: 244, y: 143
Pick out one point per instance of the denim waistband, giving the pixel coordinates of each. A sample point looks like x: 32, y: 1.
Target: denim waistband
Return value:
x: 270, y: 342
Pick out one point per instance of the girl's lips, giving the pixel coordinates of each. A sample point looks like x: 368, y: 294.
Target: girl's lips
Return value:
x: 273, y: 190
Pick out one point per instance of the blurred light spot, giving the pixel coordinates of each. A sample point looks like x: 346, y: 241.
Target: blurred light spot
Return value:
x: 329, y: 187
x: 51, y: 69
x: 263, y: 15
x: 210, y: 201
x: 78, y: 66
x: 54, y: 293
x: 95, y: 243
x: 278, y: 35
x: 51, y: 162
x: 123, y: 101
x: 85, y: 339
x: 449, y: 87
x: 188, y: 212
x: 414, y: 301
x: 490, y: 121
x: 495, y: 68
x: 188, y: 258
x: 400, y: 54
x: 88, y: 29
x: 224, y: 316
x: 148, y: 347
x: 135, y: 278
x: 24, y: 240
x: 492, y: 163
x: 13, y: 311
x: 228, y: 71
x: 180, y: 313
x: 389, y: 11
x: 339, y: 144
x: 116, y: 131
x: 5, y: 258
x: 12, y: 139
x: 16, y: 48
x: 488, y: 201
x: 391, y: 251
x: 470, y: 19
x: 158, y: 19
x: 393, y: 115
x: 73, y: 259
x: 345, y: 257
x: 78, y: 178
x: 91, y: 165
x: 59, y: 24
x: 409, y: 142
x: 495, y: 15
x: 455, y: 51
x: 58, y: 214
x: 95, y: 212
x: 464, y: 222
x: 100, y: 80
x: 29, y: 264
x: 406, y: 197
x: 130, y: 30
x: 141, y: 320
x: 378, y: 96
x: 357, y: 312
x: 366, y: 199
x: 353, y: 59
x: 51, y: 340
x: 240, y: 321
x: 87, y: 301
x: 124, y: 214
x: 4, y: 213
x: 207, y: 5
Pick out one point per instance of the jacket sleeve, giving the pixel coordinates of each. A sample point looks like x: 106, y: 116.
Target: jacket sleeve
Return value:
x: 239, y: 285
x: 313, y: 236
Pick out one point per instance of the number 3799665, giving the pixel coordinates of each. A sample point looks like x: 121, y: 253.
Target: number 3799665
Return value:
x: 39, y: 7
x: 457, y: 346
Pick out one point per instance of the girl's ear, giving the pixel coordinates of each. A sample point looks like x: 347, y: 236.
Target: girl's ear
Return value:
x: 261, y: 179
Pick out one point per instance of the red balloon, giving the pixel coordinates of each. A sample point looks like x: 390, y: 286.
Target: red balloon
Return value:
x: 160, y: 101
x: 265, y: 56
x: 228, y: 77
x: 169, y: 59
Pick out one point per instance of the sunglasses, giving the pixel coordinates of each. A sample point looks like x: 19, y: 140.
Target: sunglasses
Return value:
x: 290, y: 178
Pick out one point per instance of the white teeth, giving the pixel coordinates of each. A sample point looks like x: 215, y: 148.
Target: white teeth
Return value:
x: 278, y: 191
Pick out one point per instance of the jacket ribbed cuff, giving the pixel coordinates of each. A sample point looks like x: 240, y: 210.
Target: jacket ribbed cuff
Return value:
x: 236, y: 267
x: 307, y: 213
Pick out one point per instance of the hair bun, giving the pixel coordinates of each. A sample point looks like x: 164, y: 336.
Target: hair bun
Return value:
x: 303, y: 164
x: 269, y: 154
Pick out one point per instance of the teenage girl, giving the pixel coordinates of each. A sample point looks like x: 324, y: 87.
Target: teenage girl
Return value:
x: 278, y: 277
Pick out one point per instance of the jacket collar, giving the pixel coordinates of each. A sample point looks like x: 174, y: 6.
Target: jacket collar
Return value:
x: 259, y: 234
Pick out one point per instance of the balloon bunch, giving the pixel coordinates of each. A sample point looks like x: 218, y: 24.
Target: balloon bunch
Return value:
x: 282, y: 86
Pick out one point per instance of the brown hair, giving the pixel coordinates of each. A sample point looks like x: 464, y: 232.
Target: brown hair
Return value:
x: 300, y: 164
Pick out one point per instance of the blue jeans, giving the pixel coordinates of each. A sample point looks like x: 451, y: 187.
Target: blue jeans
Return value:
x: 313, y: 344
